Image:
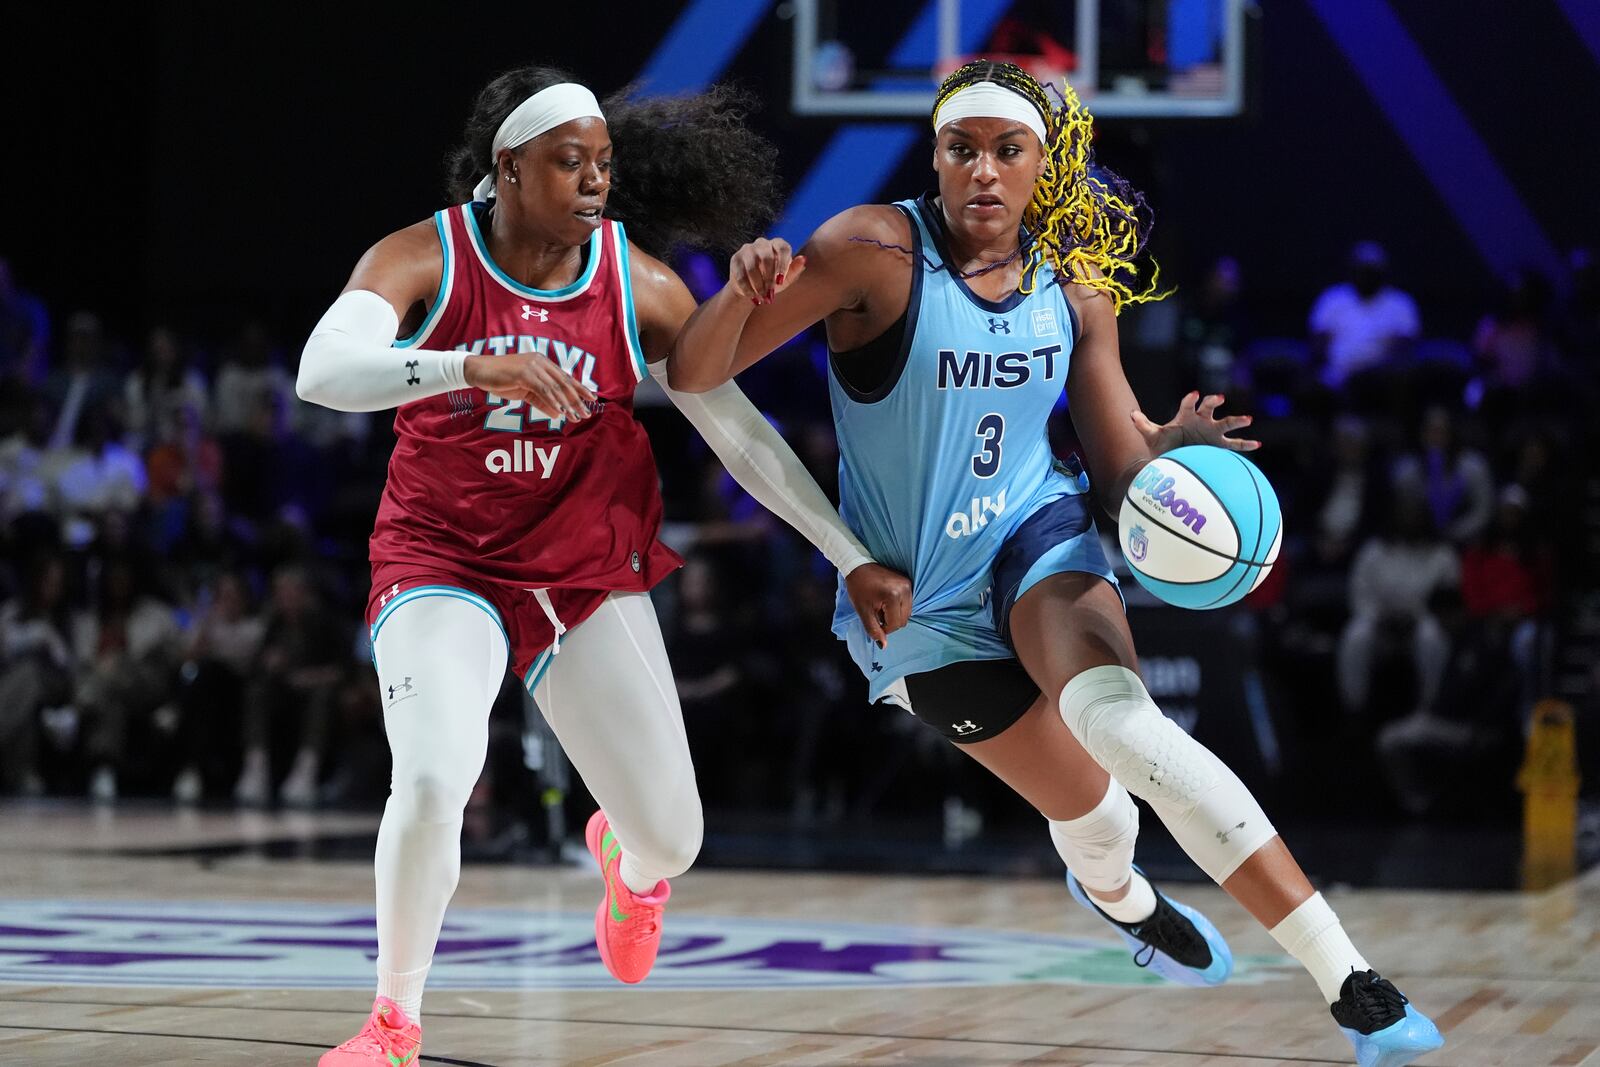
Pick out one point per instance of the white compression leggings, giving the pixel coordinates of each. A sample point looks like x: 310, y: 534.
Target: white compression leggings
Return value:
x: 608, y: 696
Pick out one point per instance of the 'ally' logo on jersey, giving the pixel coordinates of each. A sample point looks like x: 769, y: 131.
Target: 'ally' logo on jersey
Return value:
x: 522, y: 457
x: 964, y: 523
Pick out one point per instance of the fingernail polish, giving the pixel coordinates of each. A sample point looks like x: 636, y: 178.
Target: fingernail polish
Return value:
x: 780, y: 279
x: 754, y: 301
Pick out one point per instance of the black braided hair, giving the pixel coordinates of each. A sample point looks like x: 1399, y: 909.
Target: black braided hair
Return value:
x: 686, y: 172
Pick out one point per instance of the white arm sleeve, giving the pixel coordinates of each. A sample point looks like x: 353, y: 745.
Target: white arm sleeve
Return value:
x: 350, y: 364
x: 763, y: 463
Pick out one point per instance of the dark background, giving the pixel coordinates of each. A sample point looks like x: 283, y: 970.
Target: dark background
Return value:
x: 197, y: 164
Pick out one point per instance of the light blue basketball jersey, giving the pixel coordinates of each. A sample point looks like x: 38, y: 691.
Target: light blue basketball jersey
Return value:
x: 942, y: 463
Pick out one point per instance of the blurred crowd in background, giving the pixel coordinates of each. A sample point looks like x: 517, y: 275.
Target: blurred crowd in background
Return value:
x: 184, y: 561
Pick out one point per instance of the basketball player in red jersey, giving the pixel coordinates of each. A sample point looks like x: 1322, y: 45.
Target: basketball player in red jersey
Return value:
x: 519, y: 523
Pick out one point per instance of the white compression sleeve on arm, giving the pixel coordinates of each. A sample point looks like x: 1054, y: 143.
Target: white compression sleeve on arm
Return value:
x: 349, y: 363
x: 763, y: 463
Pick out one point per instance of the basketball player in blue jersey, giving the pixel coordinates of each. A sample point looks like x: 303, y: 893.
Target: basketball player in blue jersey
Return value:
x: 954, y: 322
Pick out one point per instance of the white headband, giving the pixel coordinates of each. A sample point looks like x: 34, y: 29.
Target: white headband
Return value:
x: 988, y: 100
x: 540, y: 113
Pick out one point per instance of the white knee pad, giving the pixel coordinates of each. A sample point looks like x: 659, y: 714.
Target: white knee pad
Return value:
x: 1098, y: 847
x: 1209, y: 811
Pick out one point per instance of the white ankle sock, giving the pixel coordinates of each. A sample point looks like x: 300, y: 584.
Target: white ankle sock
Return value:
x: 1137, y: 906
x: 405, y: 989
x: 1311, y: 934
x: 638, y: 882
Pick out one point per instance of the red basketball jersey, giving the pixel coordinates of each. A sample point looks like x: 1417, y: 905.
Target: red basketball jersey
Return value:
x: 487, y: 486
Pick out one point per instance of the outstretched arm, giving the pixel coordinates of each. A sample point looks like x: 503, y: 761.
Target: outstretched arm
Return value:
x: 1117, y: 436
x: 760, y: 460
x: 772, y: 294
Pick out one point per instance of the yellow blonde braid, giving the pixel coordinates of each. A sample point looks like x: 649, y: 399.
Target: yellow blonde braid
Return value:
x: 1087, y: 223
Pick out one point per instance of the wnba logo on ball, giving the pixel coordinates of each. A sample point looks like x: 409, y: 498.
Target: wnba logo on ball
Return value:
x: 1159, y: 488
x: 1138, y: 544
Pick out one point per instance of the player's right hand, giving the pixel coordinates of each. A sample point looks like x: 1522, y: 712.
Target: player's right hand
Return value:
x: 532, y: 378
x: 764, y: 268
x: 881, y: 597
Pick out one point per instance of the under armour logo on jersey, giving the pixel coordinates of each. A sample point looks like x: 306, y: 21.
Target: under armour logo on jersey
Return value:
x: 411, y: 372
x: 403, y: 687
x: 394, y: 591
x: 876, y: 667
x: 999, y: 326
x: 964, y: 728
x: 530, y: 312
x: 1222, y: 835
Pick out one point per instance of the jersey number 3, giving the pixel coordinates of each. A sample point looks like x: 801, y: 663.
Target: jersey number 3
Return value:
x: 991, y: 429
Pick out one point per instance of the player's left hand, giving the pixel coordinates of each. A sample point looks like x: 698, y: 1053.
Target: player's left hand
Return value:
x: 1196, y: 424
x: 764, y: 268
x: 881, y: 597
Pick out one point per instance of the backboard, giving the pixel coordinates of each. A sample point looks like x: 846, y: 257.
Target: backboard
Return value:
x: 1126, y: 58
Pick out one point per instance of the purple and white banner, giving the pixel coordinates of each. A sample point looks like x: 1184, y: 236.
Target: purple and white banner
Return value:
x: 279, y: 946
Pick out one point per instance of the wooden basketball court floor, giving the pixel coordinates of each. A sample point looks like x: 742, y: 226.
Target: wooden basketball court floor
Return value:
x: 118, y: 948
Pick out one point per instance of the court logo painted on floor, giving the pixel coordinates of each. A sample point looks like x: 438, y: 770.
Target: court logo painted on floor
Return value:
x: 277, y: 946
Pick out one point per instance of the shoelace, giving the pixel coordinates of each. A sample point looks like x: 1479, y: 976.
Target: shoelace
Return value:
x: 641, y: 930
x: 1160, y: 927
x: 374, y: 1037
x: 1378, y: 999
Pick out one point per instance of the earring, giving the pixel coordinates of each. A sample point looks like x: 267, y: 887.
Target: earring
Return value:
x: 512, y: 178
